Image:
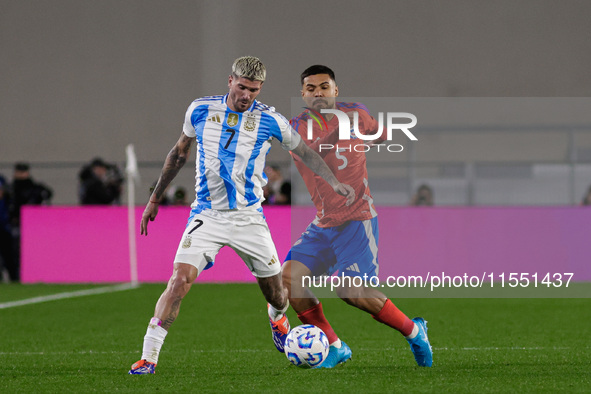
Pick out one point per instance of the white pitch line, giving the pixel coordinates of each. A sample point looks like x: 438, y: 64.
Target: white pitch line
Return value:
x: 70, y: 294
x: 90, y: 352
x: 64, y: 353
x: 504, y: 348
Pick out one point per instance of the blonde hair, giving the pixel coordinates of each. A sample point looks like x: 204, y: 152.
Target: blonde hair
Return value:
x: 249, y: 67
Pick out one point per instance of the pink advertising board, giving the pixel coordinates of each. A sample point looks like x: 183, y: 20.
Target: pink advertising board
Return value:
x: 90, y: 244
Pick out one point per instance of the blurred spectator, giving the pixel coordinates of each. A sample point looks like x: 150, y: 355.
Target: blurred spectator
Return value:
x: 278, y: 190
x: 100, y: 183
x: 587, y: 197
x: 177, y: 196
x: 423, y: 196
x: 6, y: 242
x: 164, y: 200
x: 24, y: 191
x: 173, y: 195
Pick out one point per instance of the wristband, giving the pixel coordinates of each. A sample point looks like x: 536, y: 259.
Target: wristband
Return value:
x: 155, y: 202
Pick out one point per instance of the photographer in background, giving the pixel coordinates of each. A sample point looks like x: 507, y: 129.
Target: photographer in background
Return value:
x: 587, y: 198
x: 6, y: 243
x: 278, y: 190
x: 100, y: 183
x: 423, y: 196
x: 24, y: 191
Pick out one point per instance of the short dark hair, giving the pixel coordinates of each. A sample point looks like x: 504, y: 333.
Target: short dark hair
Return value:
x: 21, y: 166
x: 98, y: 162
x: 317, y: 69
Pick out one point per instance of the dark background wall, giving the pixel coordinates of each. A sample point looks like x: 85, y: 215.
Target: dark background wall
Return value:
x: 84, y: 78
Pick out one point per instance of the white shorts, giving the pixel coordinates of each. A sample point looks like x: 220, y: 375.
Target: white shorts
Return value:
x: 245, y: 231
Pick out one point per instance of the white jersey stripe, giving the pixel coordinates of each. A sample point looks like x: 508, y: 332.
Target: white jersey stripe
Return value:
x: 367, y: 224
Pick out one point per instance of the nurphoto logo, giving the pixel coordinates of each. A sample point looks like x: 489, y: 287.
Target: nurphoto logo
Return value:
x: 349, y: 129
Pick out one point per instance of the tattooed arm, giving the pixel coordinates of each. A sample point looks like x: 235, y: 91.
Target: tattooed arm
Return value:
x: 314, y: 162
x: 175, y: 160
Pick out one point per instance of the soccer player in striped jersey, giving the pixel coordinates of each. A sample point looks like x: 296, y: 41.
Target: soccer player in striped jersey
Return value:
x: 342, y: 237
x: 233, y: 134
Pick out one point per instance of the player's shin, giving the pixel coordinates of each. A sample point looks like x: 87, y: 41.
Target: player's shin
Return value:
x: 153, y: 340
x: 391, y: 316
x: 315, y: 316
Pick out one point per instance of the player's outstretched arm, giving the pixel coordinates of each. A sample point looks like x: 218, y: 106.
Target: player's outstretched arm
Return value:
x: 314, y: 162
x: 176, y: 159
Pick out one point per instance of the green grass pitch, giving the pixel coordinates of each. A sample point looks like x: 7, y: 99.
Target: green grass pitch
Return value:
x: 222, y: 342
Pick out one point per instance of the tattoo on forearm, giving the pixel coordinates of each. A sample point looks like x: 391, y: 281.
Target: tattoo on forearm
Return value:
x: 316, y: 164
x: 175, y: 160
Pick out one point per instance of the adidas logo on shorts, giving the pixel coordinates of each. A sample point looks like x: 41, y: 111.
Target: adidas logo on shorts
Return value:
x: 353, y: 267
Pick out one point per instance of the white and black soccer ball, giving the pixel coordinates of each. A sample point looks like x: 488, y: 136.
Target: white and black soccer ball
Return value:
x: 306, y: 346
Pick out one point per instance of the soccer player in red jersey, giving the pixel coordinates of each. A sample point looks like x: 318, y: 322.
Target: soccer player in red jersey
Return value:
x: 343, y: 237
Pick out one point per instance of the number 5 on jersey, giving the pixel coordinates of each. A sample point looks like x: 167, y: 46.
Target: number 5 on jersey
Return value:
x: 341, y: 157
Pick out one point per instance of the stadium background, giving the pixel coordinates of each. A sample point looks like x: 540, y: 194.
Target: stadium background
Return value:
x: 83, y: 79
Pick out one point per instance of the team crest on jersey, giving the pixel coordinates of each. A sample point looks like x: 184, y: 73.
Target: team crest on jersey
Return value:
x: 187, y: 243
x: 251, y: 122
x: 232, y: 120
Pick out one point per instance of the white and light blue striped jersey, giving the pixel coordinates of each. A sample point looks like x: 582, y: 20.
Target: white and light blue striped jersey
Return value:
x: 231, y: 151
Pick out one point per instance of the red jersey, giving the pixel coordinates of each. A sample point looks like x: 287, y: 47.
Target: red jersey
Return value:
x: 347, y: 161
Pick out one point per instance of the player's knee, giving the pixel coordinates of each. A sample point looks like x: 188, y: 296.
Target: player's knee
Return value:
x: 176, y: 288
x: 293, y: 280
x: 180, y: 282
x: 286, y: 275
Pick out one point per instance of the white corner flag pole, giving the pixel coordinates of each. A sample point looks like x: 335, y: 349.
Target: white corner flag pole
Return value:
x: 133, y: 175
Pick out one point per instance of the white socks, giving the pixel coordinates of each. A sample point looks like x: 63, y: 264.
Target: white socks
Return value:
x: 337, y: 343
x: 275, y: 314
x: 153, y: 340
x: 414, y: 333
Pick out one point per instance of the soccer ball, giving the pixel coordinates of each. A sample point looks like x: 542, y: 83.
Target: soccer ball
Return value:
x: 306, y: 346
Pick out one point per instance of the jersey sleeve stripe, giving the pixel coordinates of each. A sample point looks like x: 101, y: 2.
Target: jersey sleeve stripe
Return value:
x: 252, y: 162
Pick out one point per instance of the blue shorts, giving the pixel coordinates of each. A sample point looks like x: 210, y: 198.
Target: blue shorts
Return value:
x: 351, y: 249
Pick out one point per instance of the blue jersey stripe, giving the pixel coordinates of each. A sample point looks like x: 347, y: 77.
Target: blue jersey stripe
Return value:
x: 267, y: 123
x: 203, y: 195
x: 198, y: 119
x: 271, y: 123
x: 210, y: 98
x: 295, y: 122
x: 227, y: 154
x: 249, y: 193
x: 352, y: 106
